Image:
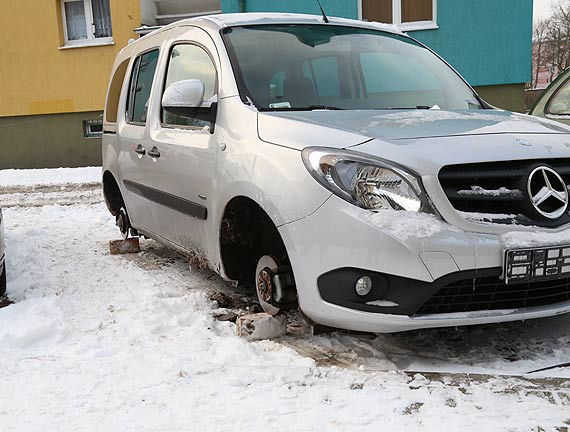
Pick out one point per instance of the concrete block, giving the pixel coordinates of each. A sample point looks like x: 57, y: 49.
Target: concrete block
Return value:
x: 119, y: 247
x: 261, y: 326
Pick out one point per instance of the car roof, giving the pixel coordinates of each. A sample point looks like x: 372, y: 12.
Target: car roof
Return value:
x: 220, y: 21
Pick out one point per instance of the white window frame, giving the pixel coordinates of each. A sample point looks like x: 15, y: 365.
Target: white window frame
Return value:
x: 91, y: 40
x: 88, y: 131
x: 409, y: 26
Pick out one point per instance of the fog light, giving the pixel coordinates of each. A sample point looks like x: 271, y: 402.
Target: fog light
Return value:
x: 363, y: 286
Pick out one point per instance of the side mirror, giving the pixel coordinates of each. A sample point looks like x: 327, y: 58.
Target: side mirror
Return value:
x: 183, y: 94
x: 186, y: 99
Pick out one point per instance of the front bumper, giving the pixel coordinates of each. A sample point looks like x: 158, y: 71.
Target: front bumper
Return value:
x: 409, y: 257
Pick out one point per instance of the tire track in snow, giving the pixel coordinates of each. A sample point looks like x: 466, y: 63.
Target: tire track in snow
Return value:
x: 42, y: 195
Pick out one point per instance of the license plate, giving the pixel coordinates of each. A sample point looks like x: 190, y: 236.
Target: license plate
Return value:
x: 537, y: 264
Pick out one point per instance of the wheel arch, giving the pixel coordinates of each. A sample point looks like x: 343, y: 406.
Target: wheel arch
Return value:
x: 246, y: 232
x: 112, y: 193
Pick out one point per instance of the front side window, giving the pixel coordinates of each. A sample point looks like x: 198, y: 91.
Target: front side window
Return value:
x: 190, y: 62
x: 86, y: 21
x: 560, y: 104
x: 408, y: 14
x: 140, y: 86
x: 301, y: 67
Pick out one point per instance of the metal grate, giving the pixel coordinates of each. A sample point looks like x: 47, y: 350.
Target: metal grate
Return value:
x: 491, y: 293
x: 498, y: 188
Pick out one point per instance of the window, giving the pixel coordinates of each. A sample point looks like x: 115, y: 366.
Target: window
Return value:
x: 302, y: 67
x: 317, y: 82
x: 324, y: 75
x: 86, y: 22
x: 112, y: 105
x: 407, y: 14
x: 140, y: 86
x: 559, y: 105
x: 390, y: 76
x: 190, y: 62
x: 93, y: 128
x: 391, y: 72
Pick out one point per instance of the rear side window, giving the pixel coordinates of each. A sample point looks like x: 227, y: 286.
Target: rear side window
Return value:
x: 140, y: 86
x: 112, y: 105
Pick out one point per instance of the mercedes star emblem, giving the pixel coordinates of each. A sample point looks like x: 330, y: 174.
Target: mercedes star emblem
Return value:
x: 548, y: 192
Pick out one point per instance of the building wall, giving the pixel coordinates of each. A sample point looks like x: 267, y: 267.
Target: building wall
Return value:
x: 339, y: 8
x: 47, y: 92
x: 510, y: 97
x: 488, y: 41
x: 36, y: 77
x: 48, y: 141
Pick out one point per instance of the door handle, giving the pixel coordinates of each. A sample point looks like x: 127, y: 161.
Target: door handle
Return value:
x: 154, y: 153
x: 140, y: 150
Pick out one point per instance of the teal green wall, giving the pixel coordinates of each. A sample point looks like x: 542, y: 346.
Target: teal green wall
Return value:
x: 488, y: 41
x: 339, y: 8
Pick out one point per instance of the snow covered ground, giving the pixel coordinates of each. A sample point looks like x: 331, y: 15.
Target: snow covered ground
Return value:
x: 128, y: 343
x: 52, y: 176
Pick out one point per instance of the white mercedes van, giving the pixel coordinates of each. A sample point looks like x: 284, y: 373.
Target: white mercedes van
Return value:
x: 343, y: 168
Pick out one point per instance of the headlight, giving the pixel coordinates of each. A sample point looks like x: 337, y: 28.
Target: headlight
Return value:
x: 363, y: 181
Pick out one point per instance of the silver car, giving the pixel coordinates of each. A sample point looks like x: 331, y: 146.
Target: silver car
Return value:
x: 340, y: 167
x: 554, y: 103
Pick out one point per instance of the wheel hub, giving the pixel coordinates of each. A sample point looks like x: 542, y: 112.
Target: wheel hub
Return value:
x: 123, y: 222
x: 264, y: 286
x: 264, y: 283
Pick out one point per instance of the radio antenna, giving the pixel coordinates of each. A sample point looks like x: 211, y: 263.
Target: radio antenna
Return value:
x: 325, y: 19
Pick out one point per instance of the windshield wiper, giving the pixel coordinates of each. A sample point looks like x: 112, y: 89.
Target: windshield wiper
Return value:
x: 305, y: 108
x: 323, y: 107
x: 417, y: 107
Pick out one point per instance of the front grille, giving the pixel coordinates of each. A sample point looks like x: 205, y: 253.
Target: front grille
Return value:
x: 491, y: 293
x: 497, y: 191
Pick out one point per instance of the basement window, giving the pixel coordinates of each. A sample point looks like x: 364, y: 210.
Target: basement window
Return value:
x: 86, y: 22
x: 406, y: 14
x: 93, y: 128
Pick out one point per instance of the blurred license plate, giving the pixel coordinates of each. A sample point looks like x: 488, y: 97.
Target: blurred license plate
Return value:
x: 537, y: 264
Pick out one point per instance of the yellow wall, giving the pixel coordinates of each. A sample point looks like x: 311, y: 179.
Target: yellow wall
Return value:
x: 36, y: 77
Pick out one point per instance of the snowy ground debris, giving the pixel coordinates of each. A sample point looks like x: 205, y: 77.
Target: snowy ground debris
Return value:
x: 261, y: 326
x: 95, y: 342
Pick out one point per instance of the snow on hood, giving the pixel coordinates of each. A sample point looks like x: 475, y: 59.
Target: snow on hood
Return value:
x: 302, y: 128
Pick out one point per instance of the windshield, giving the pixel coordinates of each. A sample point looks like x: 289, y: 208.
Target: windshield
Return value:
x: 296, y: 67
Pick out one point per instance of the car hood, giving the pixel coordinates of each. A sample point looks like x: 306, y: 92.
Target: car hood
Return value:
x: 343, y: 129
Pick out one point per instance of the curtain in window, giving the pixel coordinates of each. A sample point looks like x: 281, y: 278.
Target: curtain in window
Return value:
x: 102, y: 18
x: 377, y: 10
x: 417, y: 10
x: 75, y: 20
